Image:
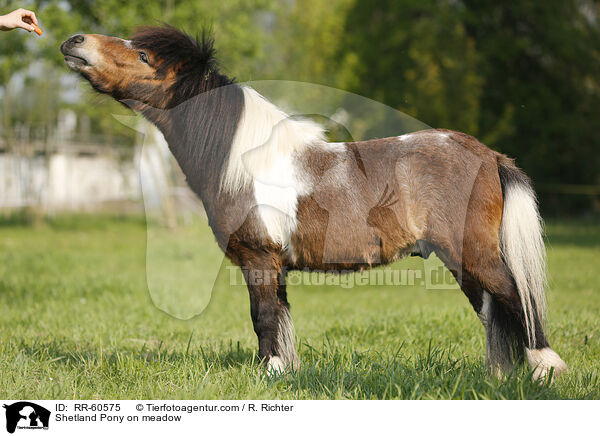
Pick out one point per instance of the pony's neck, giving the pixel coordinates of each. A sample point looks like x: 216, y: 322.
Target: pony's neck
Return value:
x: 230, y: 137
x: 199, y: 132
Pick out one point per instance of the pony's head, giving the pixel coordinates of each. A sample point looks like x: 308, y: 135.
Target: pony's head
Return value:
x: 159, y: 66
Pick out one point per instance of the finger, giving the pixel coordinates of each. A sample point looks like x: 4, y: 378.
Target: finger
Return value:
x: 30, y: 15
x: 26, y: 26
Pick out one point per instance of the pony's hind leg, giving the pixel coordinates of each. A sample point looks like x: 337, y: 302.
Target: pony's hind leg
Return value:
x: 502, y: 347
x: 505, y: 330
x: 504, y: 344
x: 508, y: 336
x: 270, y: 312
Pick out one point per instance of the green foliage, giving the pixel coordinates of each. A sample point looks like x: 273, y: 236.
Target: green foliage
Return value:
x: 541, y: 63
x: 306, y: 38
x: 414, y: 56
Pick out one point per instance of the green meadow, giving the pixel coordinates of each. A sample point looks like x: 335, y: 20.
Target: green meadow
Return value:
x: 78, y: 320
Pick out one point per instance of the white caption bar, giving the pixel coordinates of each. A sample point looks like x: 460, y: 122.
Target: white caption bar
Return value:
x: 292, y: 417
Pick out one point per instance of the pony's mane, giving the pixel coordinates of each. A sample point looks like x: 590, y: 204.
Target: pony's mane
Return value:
x: 205, y: 105
x: 194, y: 59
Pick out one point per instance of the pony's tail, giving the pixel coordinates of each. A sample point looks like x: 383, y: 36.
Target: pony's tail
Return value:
x: 522, y: 244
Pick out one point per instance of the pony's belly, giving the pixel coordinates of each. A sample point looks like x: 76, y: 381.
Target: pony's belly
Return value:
x: 327, y: 241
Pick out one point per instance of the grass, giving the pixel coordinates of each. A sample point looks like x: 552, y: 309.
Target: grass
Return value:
x: 77, y: 322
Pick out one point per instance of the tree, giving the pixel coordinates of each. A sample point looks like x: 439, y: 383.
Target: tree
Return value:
x: 415, y: 56
x: 541, y: 64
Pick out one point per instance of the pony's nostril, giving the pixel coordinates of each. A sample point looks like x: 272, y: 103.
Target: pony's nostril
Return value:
x: 77, y: 39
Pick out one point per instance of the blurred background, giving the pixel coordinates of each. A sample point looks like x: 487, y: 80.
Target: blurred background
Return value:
x: 523, y: 77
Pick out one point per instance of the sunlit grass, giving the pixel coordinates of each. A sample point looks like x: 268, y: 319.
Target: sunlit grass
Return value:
x: 77, y: 321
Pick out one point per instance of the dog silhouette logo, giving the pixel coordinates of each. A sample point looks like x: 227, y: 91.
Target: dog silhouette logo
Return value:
x: 26, y: 415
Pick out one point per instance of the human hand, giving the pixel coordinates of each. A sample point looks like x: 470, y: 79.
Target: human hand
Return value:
x: 21, y: 18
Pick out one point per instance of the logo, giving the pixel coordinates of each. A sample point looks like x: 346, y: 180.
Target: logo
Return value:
x: 26, y: 415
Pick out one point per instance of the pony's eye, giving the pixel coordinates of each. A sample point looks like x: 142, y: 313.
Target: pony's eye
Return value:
x: 143, y: 57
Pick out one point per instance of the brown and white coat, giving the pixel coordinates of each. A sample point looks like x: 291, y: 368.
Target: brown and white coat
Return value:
x: 279, y: 197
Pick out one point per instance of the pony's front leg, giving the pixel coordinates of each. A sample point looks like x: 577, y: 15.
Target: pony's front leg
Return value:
x: 271, y: 317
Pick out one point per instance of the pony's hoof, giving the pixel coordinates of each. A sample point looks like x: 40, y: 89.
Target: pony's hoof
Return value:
x: 542, y: 361
x: 275, y: 365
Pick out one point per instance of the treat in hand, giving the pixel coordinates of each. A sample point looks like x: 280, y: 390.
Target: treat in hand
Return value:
x: 20, y: 19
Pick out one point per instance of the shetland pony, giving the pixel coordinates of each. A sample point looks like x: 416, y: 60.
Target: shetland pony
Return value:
x: 279, y: 197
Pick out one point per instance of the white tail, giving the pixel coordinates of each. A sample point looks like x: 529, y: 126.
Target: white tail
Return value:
x: 522, y: 244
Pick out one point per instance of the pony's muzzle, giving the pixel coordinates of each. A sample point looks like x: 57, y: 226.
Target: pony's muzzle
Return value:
x: 73, y: 50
